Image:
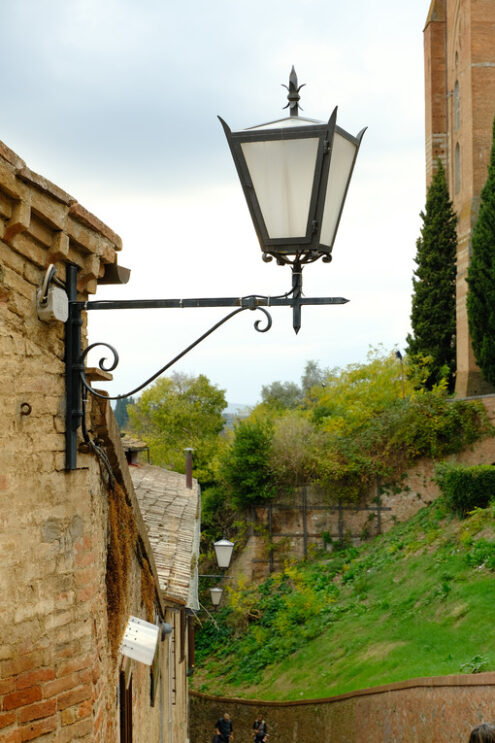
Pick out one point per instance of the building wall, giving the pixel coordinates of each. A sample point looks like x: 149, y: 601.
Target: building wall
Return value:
x: 443, y: 709
x: 59, y: 673
x: 460, y: 108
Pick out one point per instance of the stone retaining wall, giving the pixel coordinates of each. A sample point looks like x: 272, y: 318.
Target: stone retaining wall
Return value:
x: 442, y: 709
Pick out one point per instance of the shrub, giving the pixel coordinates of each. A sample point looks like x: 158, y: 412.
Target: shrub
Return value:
x: 465, y: 488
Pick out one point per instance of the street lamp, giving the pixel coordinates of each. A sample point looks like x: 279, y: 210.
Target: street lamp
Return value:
x: 295, y: 173
x: 223, y: 552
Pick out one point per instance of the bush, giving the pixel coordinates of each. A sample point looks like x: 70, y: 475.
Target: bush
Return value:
x: 465, y: 488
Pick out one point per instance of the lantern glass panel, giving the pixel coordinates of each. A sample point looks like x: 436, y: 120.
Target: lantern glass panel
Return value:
x: 343, y: 154
x: 282, y: 173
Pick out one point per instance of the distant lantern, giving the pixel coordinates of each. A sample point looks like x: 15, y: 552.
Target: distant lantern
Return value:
x: 223, y: 552
x: 216, y: 595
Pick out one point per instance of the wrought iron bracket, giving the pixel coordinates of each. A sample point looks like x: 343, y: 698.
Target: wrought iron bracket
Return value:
x: 76, y: 385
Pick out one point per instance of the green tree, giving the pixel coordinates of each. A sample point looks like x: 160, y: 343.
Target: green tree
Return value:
x: 178, y: 412
x: 433, y: 318
x: 281, y: 395
x: 295, y: 450
x: 481, y: 278
x: 245, y: 466
x: 120, y: 412
x: 313, y: 376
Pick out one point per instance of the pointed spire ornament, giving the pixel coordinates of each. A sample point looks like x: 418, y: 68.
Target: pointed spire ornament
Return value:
x: 293, y: 96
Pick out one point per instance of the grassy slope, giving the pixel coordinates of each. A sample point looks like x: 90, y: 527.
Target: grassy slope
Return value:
x: 418, y: 601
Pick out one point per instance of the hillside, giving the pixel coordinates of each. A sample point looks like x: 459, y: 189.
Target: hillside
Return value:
x: 417, y: 601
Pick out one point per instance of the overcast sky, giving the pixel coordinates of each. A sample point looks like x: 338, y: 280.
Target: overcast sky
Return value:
x: 116, y: 101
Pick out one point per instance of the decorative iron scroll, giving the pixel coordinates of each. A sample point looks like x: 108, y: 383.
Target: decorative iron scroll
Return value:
x: 114, y: 364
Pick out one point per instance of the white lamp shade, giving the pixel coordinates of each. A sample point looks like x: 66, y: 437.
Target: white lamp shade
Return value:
x: 216, y: 595
x: 223, y: 552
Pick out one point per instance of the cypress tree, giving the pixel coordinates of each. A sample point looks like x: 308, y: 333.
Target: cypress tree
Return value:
x: 481, y: 278
x: 433, y: 317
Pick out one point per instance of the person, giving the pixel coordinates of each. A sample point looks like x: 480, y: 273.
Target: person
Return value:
x: 483, y: 734
x: 224, y: 728
x: 260, y: 730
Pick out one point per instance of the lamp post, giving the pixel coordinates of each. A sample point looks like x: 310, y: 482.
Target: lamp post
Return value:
x: 295, y: 173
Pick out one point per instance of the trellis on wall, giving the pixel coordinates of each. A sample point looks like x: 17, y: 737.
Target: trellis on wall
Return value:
x: 305, y: 508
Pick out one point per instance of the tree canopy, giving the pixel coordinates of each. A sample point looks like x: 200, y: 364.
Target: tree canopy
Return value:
x: 481, y: 278
x: 178, y: 412
x: 433, y: 314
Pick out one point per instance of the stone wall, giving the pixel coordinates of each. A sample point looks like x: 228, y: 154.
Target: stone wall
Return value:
x: 58, y: 674
x: 441, y: 709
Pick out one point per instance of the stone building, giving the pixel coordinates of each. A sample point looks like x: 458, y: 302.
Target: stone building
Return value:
x: 459, y: 48
x: 75, y: 553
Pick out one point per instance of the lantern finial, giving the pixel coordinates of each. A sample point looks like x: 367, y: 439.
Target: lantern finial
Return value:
x: 293, y: 96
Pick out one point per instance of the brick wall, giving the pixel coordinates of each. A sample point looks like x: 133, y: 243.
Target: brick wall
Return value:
x: 443, y: 709
x: 58, y: 678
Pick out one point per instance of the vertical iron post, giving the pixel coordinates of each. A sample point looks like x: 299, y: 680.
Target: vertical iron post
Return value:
x: 73, y: 403
x: 296, y: 296
x: 305, y: 522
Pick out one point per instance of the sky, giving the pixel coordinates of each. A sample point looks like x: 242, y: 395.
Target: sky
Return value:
x: 116, y: 101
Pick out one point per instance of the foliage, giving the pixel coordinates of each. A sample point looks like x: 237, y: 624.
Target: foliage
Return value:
x: 281, y: 395
x: 481, y: 278
x: 120, y: 412
x: 178, y: 412
x: 465, y: 488
x: 244, y: 468
x: 295, y: 450
x: 366, y: 421
x: 401, y: 606
x: 433, y: 317
x: 354, y: 395
x: 373, y: 430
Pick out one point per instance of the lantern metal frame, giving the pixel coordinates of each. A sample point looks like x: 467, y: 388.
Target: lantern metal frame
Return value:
x: 304, y: 248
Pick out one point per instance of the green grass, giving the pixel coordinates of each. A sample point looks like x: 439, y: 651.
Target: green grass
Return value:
x: 415, y: 602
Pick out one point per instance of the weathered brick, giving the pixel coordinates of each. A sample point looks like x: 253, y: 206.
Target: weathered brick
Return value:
x: 73, y: 714
x: 77, y: 664
x: 85, y: 576
x: 76, y: 731
x: 25, y: 680
x: 59, y: 685
x: 7, y: 719
x: 37, y: 729
x: 14, y: 736
x: 27, y: 662
x: 37, y: 711
x: 22, y: 698
x: 7, y: 685
x: 86, y: 594
x: 74, y: 697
